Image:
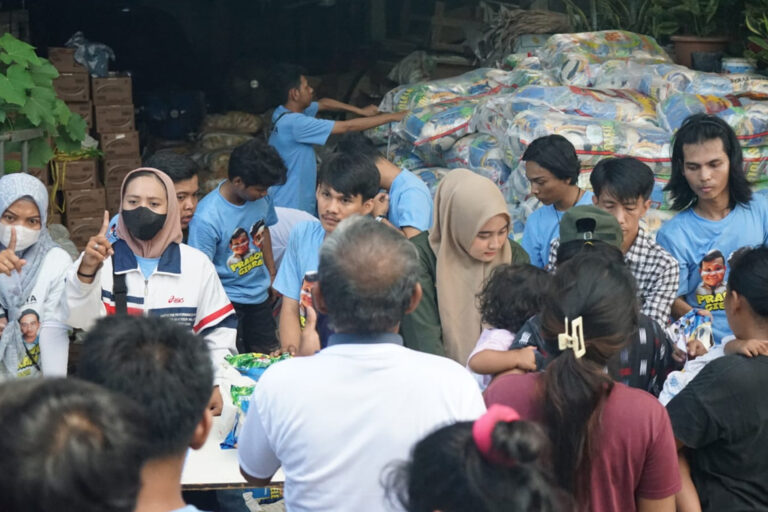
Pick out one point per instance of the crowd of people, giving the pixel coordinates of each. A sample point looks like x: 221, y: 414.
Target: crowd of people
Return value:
x: 438, y: 365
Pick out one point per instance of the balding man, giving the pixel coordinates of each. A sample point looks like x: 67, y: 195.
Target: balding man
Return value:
x: 336, y: 419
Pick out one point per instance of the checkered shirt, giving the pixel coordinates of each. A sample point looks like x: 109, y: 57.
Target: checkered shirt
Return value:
x: 656, y: 271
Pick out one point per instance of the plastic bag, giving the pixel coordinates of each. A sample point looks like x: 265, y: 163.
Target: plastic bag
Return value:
x: 252, y: 366
x: 432, y: 177
x: 415, y: 67
x: 576, y: 59
x: 480, y: 153
x: 593, y: 139
x: 402, y: 154
x: 747, y: 117
x: 435, y: 128
x: 382, y: 133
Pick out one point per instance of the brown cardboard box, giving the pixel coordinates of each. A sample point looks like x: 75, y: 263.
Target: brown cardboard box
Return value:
x: 40, y: 173
x: 72, y: 87
x: 54, y: 217
x: 63, y: 59
x: 114, y: 118
x: 115, y: 170
x: 79, y: 174
x: 84, y: 110
x: 113, y: 200
x: 120, y: 145
x: 81, y: 229
x: 114, y: 89
x: 85, y: 203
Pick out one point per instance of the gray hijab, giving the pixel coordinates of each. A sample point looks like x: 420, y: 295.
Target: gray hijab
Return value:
x: 15, y: 290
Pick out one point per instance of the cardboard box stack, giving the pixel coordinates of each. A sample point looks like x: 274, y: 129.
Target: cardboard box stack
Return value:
x: 107, y: 106
x: 118, y: 138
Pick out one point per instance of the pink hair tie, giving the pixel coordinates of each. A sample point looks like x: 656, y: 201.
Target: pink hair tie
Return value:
x: 482, y: 431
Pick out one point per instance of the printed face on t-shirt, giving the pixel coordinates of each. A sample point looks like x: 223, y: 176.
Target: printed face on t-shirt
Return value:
x: 713, y: 272
x: 29, y: 326
x: 333, y: 206
x: 239, y: 245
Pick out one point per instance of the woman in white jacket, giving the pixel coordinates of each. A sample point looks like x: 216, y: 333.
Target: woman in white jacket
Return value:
x: 158, y: 275
x: 32, y: 269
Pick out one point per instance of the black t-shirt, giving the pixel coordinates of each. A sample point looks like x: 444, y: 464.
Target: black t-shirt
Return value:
x: 643, y: 363
x: 723, y: 415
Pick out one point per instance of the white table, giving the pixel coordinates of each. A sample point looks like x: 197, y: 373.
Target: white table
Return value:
x: 211, y: 467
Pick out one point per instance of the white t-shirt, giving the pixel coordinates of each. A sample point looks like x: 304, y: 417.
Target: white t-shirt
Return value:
x: 280, y: 232
x: 45, y: 301
x: 337, y: 419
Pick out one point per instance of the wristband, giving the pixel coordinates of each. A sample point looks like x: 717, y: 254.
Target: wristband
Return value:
x: 380, y: 218
x: 89, y: 276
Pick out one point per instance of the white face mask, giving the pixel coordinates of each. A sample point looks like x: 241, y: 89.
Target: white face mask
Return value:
x: 25, y: 237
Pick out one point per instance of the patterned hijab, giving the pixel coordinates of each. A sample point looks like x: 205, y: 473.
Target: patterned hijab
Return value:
x: 464, y: 202
x: 15, y: 290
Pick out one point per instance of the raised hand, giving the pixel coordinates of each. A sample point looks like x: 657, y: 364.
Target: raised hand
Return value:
x: 96, y: 251
x: 8, y: 259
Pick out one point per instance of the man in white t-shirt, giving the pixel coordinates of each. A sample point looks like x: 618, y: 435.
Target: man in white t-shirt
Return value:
x: 335, y: 420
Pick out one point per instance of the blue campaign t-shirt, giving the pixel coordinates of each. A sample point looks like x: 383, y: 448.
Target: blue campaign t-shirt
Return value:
x: 223, y: 231
x: 543, y: 226
x: 293, y: 135
x: 689, y: 237
x: 301, y: 256
x: 410, y: 203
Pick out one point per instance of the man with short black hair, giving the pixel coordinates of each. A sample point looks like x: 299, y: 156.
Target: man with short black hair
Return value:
x: 407, y: 204
x: 336, y: 419
x: 295, y: 130
x: 347, y: 185
x: 66, y: 444
x: 623, y: 187
x: 221, y: 230
x: 166, y: 369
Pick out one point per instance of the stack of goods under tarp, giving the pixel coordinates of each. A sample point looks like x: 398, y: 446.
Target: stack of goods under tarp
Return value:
x: 219, y: 135
x: 610, y: 93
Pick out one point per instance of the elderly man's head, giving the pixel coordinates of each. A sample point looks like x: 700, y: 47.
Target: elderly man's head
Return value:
x: 368, y: 277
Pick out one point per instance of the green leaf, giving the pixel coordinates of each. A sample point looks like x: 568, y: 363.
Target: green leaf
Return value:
x: 66, y: 144
x: 40, y: 152
x: 43, y: 74
x: 2, y: 113
x: 9, y: 93
x: 17, y: 51
x: 759, y: 41
x: 76, y: 128
x: 61, y: 112
x: 39, y: 106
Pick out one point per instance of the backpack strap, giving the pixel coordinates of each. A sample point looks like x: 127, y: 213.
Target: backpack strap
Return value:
x: 120, y: 293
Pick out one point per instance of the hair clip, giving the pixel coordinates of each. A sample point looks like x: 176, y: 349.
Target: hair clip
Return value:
x: 574, y: 340
x: 482, y: 431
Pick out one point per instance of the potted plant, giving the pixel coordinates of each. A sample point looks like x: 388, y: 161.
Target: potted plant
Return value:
x: 698, y: 25
x: 28, y: 101
x: 757, y: 23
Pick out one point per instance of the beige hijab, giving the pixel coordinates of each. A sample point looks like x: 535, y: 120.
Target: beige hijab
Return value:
x: 463, y: 203
x: 171, y: 231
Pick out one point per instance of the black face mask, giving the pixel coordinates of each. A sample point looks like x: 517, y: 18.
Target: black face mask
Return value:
x: 143, y: 223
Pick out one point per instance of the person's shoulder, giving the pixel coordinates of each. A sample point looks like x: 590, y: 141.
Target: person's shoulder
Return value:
x: 537, y: 215
x: 659, y: 252
x: 634, y: 402
x: 307, y: 228
x: 431, y: 367
x: 193, y: 257
x: 732, y: 368
x: 758, y: 201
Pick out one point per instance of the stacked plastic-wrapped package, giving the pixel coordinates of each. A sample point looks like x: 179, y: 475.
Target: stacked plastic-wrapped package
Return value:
x: 610, y: 93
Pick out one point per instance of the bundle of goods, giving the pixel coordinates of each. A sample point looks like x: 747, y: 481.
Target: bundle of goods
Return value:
x: 748, y: 117
x: 628, y: 106
x: 433, y: 129
x: 594, y: 139
x: 432, y: 177
x: 480, y: 153
x: 576, y: 59
x: 250, y: 366
x: 474, y: 84
x: 661, y: 80
x: 402, y: 154
x: 233, y: 121
x: 381, y: 134
x: 518, y: 61
x: 415, y: 67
